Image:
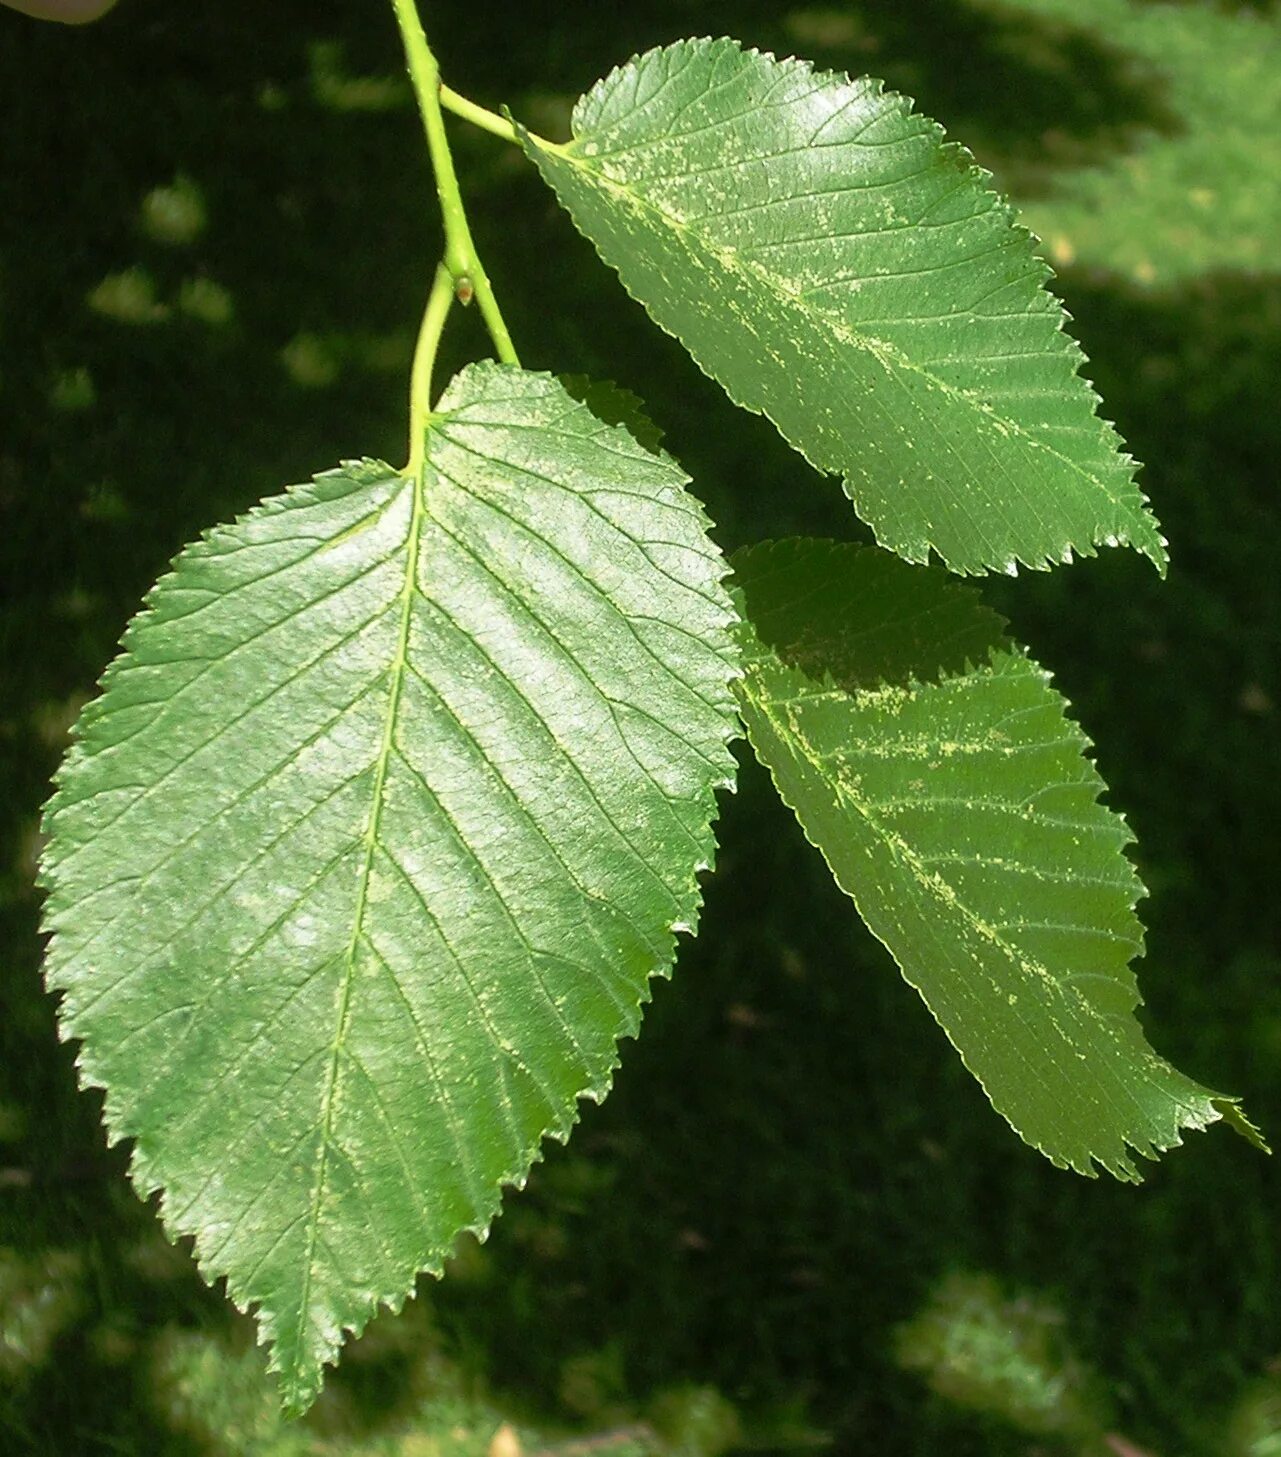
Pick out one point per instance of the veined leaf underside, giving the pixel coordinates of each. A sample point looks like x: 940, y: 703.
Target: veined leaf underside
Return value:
x: 955, y: 803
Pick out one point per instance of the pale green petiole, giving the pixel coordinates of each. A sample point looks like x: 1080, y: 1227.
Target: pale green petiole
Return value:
x: 439, y: 302
x: 479, y: 116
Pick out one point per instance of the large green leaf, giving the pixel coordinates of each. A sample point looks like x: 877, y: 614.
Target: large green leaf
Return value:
x: 363, y: 859
x: 823, y: 254
x: 935, y: 769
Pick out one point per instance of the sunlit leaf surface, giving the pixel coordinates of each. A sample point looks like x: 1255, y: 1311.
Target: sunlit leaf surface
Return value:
x: 363, y: 860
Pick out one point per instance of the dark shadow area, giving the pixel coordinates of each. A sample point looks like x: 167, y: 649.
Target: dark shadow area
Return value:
x: 860, y: 618
x: 792, y: 1156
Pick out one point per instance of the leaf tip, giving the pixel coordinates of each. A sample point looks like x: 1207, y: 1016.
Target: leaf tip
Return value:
x: 1231, y: 1112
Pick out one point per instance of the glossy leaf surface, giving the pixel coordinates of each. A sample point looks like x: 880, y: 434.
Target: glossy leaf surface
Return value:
x: 388, y: 811
x: 935, y: 769
x: 823, y: 254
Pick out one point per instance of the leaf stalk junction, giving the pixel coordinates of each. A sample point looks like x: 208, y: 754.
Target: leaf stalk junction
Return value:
x: 461, y: 273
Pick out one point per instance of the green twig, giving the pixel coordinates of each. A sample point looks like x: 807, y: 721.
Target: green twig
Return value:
x: 462, y: 265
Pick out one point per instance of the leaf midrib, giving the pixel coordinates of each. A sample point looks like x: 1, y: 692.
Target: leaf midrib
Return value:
x: 398, y: 673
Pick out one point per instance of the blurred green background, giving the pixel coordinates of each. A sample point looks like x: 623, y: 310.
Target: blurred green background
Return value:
x: 795, y: 1225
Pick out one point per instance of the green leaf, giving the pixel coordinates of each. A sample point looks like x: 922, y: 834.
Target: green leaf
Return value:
x: 860, y: 616
x: 363, y: 859
x: 823, y: 254
x: 955, y: 804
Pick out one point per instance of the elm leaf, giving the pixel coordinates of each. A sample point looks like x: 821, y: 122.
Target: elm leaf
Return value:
x: 934, y: 767
x: 825, y: 256
x: 362, y: 861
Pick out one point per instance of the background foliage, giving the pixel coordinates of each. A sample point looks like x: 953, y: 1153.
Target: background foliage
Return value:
x: 795, y: 1221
